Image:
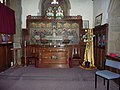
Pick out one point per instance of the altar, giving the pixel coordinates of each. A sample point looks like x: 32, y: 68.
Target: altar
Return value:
x: 54, y: 39
x: 53, y: 57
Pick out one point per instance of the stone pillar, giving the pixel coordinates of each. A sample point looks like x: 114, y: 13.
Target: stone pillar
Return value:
x: 114, y: 27
x: 16, y: 6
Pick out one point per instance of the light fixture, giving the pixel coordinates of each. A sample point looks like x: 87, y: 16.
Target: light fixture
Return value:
x: 54, y: 2
x: 1, y: 1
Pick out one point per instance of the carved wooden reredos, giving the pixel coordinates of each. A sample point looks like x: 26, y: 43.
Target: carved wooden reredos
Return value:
x: 44, y: 4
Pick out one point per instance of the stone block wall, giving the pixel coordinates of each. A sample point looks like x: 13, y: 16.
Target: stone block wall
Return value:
x: 114, y: 27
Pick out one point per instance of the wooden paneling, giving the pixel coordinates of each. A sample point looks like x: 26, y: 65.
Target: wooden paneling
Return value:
x: 5, y: 56
x: 100, y: 45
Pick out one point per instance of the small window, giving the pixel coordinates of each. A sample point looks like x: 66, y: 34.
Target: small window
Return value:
x: 3, y: 1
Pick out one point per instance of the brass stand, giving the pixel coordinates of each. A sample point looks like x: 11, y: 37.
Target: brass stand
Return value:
x: 89, y: 54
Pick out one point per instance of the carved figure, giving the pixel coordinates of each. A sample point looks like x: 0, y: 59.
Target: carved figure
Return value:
x: 54, y: 31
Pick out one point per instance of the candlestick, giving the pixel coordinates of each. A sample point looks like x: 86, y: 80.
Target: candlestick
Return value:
x: 25, y: 43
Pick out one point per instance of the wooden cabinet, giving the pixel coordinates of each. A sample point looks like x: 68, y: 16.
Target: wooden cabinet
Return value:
x: 100, y: 45
x: 6, y: 56
x: 55, y: 57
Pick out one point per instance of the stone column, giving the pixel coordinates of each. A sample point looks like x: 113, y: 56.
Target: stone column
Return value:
x: 16, y: 6
x: 114, y: 27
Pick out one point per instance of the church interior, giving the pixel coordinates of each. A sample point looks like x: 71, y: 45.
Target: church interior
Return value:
x: 59, y: 44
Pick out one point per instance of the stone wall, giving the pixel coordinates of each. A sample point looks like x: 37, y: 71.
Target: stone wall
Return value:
x: 16, y: 6
x: 114, y: 27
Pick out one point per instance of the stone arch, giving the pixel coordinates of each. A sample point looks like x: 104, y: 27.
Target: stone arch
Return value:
x: 44, y: 4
